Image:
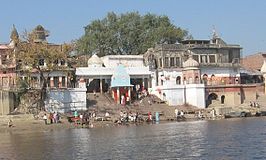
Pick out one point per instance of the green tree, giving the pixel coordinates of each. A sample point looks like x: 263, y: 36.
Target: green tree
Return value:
x: 129, y: 33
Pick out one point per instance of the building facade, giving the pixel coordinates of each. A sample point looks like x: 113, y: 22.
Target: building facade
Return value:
x: 218, y: 68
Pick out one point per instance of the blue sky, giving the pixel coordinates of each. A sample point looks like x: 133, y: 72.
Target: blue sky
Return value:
x: 236, y: 21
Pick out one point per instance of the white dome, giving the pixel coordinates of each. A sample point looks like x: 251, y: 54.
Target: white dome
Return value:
x: 95, y: 61
x: 263, y: 68
x: 190, y: 62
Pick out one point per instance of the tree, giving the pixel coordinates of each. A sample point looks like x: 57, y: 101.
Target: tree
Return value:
x: 129, y: 33
x: 35, y: 55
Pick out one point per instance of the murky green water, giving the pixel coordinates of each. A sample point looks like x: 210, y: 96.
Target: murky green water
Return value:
x: 225, y: 139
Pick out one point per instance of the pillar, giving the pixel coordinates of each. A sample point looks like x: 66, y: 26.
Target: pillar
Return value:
x: 113, y: 93
x: 143, y: 83
x: 51, y: 82
x: 118, y: 95
x: 60, y: 82
x: 129, y: 94
x: 149, y: 82
x: 66, y: 78
x: 101, y: 86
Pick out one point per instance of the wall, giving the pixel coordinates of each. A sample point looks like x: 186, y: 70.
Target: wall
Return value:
x: 126, y: 60
x: 65, y: 100
x: 7, y: 102
x: 193, y: 94
x: 236, y: 94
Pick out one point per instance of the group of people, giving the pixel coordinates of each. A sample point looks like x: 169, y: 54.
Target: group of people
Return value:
x: 254, y: 104
x: 179, y: 114
x: 52, y: 117
x: 128, y: 117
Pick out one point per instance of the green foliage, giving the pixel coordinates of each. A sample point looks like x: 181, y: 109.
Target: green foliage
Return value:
x: 129, y: 33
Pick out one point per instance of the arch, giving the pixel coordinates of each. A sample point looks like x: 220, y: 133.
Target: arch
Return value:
x: 184, y: 80
x: 212, y: 79
x: 211, y: 97
x: 178, y: 80
x: 222, y: 99
x: 197, y: 79
x: 205, y: 79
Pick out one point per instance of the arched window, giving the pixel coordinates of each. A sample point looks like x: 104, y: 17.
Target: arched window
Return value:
x: 196, y: 79
x: 178, y: 80
x: 213, y: 79
x: 205, y: 79
x: 184, y: 80
x: 222, y: 99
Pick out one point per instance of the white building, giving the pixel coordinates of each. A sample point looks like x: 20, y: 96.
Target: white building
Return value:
x: 174, y: 91
x: 99, y: 75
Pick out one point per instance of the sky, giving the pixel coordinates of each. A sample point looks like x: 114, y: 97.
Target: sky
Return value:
x: 240, y: 22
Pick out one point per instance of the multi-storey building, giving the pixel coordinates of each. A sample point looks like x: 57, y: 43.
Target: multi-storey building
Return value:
x: 213, y: 63
x: 8, y: 63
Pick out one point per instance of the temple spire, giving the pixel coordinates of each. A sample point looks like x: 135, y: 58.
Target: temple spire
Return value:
x: 14, y: 34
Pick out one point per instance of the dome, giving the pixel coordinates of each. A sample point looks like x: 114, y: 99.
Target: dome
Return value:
x: 95, y: 61
x: 263, y: 68
x: 190, y: 62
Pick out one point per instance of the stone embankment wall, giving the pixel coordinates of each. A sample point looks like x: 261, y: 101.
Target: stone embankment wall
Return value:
x: 7, y: 102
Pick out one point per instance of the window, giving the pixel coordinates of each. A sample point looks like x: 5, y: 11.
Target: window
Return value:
x: 161, y: 62
x: 63, y: 81
x: 203, y: 59
x: 212, y: 58
x: 177, y: 61
x: 4, y: 59
x: 41, y: 62
x: 48, y: 81
x: 62, y: 62
x: 205, y: 79
x: 166, y: 62
x: 184, y: 80
x: 56, y: 81
x: 196, y: 79
x: 172, y: 62
x: 178, y: 80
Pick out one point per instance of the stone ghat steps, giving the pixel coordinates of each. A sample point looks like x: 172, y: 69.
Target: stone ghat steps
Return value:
x: 102, y: 104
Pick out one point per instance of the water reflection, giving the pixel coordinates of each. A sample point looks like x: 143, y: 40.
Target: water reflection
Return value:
x: 225, y: 139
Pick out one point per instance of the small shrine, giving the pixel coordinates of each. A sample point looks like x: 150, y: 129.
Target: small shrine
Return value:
x: 120, y: 85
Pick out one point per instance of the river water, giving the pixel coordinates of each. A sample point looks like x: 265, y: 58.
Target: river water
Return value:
x: 222, y: 140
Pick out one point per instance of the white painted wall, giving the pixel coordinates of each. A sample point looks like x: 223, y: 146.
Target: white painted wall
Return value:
x: 126, y: 60
x: 174, y: 96
x: 195, y: 95
x: 66, y: 100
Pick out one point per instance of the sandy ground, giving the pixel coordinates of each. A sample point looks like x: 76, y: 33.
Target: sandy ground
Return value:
x: 27, y: 123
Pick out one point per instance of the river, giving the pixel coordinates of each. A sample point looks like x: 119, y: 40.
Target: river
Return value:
x: 222, y: 140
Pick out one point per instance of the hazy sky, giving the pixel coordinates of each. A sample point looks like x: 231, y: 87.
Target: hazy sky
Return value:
x: 236, y: 21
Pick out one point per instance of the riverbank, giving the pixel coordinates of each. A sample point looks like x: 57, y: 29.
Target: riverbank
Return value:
x: 27, y: 123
